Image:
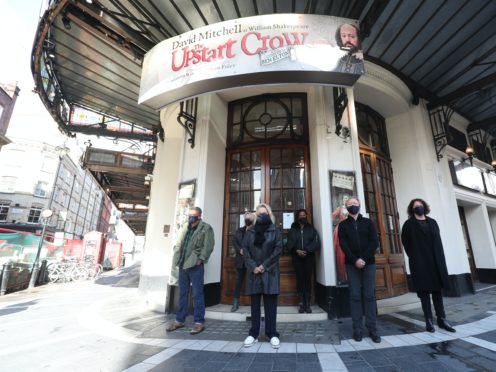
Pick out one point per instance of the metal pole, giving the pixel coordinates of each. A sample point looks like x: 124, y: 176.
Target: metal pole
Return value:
x: 5, y: 278
x: 35, y: 269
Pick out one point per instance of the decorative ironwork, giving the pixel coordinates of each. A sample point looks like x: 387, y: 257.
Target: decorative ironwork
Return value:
x: 187, y: 118
x: 439, y: 118
x: 340, y: 103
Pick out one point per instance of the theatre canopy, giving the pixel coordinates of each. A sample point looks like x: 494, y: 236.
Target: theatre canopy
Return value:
x: 268, y: 49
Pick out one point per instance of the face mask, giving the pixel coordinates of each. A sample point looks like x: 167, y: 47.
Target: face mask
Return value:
x: 248, y: 222
x: 302, y: 220
x: 193, y: 219
x: 419, y: 211
x: 263, y: 219
x: 353, y: 209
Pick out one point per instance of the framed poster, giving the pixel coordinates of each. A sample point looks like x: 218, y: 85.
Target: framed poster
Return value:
x: 343, y: 187
x: 185, y: 200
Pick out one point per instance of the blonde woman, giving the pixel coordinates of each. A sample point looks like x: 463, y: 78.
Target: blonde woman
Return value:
x: 262, y: 248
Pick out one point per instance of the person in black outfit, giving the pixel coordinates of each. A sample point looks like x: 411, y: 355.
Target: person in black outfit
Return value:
x: 422, y: 241
x: 303, y: 242
x: 358, y: 239
x: 262, y: 248
x: 239, y: 261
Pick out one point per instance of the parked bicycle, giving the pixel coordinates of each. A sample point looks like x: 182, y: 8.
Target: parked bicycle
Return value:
x: 74, y: 270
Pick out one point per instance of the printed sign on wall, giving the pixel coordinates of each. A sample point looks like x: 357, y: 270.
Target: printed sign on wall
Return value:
x: 265, y: 49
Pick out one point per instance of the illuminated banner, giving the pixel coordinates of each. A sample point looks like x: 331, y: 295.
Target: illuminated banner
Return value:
x: 269, y: 49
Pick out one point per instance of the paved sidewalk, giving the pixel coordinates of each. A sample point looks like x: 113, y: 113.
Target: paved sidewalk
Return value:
x: 311, y: 346
x: 119, y: 317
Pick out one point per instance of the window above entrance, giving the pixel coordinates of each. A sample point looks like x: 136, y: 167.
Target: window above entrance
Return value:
x: 269, y: 118
x: 372, y: 129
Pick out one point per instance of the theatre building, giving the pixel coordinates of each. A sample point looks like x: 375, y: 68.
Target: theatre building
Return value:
x: 250, y: 103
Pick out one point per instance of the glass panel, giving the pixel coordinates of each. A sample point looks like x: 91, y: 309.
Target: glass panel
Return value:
x: 288, y: 200
x: 468, y: 176
x: 231, y: 252
x: 490, y: 183
x: 299, y: 177
x: 275, y: 199
x: 255, y: 160
x: 245, y: 161
x: 236, y: 131
x: 257, y: 199
x: 257, y: 179
x: 277, y: 109
x: 236, y: 114
x: 234, y: 182
x: 233, y: 202
x: 299, y: 158
x: 275, y: 158
x: 287, y: 178
x: 287, y: 157
x: 297, y: 107
x: 255, y: 129
x: 235, y: 162
x: 245, y: 201
x: 300, y: 199
x: 245, y: 180
x: 297, y: 126
x: 275, y: 178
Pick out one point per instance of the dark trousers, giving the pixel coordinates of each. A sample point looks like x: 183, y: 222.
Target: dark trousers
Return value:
x: 303, y: 267
x: 240, y: 277
x: 270, y: 307
x: 437, y: 299
x: 193, y: 276
x: 361, y: 284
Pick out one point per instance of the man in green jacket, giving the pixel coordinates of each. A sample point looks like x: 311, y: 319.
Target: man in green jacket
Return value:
x: 193, y: 248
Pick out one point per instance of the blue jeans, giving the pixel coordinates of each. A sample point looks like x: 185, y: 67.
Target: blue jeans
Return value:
x: 362, y: 296
x: 193, y: 276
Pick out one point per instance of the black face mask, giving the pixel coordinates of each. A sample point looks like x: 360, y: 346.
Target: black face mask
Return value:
x: 263, y: 219
x: 353, y: 209
x: 248, y: 222
x: 302, y: 220
x: 419, y: 210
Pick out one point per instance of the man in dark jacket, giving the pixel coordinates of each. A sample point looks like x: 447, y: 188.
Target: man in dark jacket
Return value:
x: 303, y: 242
x: 358, y: 239
x: 239, y: 260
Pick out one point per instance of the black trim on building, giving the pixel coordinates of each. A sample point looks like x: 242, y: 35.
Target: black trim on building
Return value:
x: 487, y: 275
x: 461, y: 284
x: 334, y: 300
x: 211, y: 293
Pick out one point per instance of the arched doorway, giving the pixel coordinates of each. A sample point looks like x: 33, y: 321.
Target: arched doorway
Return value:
x: 380, y: 201
x: 267, y: 161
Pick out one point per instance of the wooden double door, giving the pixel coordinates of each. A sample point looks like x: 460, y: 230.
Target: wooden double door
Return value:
x: 277, y: 175
x: 380, y: 201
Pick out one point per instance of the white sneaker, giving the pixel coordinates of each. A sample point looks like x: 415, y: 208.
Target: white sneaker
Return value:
x: 275, y: 343
x: 250, y: 341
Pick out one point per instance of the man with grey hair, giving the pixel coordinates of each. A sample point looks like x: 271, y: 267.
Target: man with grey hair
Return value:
x: 194, y: 245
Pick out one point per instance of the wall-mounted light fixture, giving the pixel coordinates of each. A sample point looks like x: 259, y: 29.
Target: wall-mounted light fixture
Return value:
x: 470, y: 155
x: 148, y: 179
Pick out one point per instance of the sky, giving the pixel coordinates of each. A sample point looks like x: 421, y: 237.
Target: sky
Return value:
x: 30, y: 119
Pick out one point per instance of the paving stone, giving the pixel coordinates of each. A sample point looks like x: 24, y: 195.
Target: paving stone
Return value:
x: 375, y: 358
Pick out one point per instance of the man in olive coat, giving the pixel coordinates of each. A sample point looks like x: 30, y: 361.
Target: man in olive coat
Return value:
x: 192, y: 250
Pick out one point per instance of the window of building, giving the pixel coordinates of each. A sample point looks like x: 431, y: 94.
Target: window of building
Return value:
x: 263, y: 119
x: 4, y: 210
x: 8, y: 184
x: 372, y: 129
x: 41, y: 189
x: 34, y: 214
x: 49, y: 164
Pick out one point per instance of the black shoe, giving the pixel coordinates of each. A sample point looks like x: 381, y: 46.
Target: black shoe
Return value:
x: 308, y: 309
x: 443, y: 323
x: 375, y: 337
x: 357, y: 335
x: 301, y: 309
x: 429, y: 325
x: 235, y: 305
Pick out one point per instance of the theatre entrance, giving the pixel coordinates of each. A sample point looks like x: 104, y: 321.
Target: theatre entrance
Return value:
x: 267, y: 161
x: 380, y: 201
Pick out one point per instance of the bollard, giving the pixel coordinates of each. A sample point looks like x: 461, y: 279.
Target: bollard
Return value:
x: 42, y: 275
x: 34, y: 275
x: 5, y: 278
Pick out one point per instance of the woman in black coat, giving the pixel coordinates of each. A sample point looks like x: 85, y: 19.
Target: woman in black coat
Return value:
x: 303, y: 242
x: 422, y: 242
x: 262, y: 248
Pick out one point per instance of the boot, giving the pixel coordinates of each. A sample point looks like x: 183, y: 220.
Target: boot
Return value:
x: 443, y: 323
x: 301, y: 304
x: 429, y: 325
x: 308, y: 309
x: 235, y: 305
